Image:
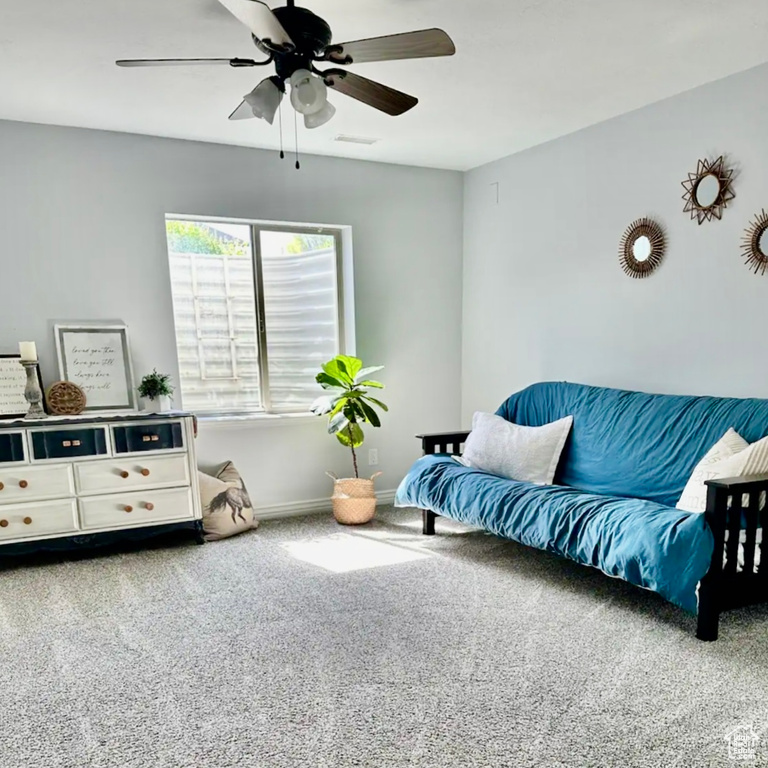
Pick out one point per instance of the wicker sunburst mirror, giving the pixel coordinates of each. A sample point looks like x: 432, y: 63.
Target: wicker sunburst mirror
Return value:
x: 709, y: 190
x: 642, y: 248
x: 755, y: 244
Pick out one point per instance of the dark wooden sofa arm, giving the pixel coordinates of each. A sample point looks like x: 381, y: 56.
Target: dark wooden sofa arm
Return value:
x: 443, y: 442
x: 733, y: 505
x: 439, y: 442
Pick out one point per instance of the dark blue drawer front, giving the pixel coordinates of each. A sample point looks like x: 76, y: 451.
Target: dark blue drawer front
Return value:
x: 65, y: 443
x: 148, y: 437
x: 11, y: 447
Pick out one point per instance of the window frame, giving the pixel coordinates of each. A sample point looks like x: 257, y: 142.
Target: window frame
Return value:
x: 342, y: 236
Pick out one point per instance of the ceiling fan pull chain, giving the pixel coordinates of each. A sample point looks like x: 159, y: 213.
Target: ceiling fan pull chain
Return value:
x: 296, y: 135
x: 280, y: 111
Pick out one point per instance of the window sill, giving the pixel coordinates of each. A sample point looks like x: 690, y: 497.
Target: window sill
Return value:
x: 257, y: 420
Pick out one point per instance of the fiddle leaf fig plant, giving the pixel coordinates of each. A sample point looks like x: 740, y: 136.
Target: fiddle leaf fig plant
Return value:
x: 348, y: 403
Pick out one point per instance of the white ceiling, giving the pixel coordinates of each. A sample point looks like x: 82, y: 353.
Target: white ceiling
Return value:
x: 526, y: 71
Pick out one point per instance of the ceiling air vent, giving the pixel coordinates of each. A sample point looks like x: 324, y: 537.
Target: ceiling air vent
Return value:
x: 356, y: 139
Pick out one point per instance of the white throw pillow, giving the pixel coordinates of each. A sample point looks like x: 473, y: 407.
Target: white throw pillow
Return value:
x: 731, y: 456
x: 528, y: 454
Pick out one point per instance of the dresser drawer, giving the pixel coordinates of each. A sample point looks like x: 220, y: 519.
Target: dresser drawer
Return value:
x: 20, y: 521
x: 68, y: 443
x: 12, y: 448
x: 138, y: 438
x: 129, y: 509
x: 19, y: 484
x: 126, y: 474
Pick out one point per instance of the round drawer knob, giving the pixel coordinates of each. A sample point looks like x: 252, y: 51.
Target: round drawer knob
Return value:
x: 23, y: 483
x: 145, y: 472
x: 149, y: 505
x: 124, y: 475
x: 128, y: 508
x: 27, y: 521
x: 1, y: 486
x: 3, y: 523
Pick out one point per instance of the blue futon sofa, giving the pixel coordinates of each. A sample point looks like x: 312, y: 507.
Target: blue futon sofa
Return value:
x: 623, y: 469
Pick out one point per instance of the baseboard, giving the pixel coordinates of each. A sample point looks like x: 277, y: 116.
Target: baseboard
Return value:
x: 311, y: 506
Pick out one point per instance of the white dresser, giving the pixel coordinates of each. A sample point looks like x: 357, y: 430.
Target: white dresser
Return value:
x: 81, y: 481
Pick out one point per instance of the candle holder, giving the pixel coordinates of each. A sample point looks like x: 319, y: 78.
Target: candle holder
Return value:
x: 32, y: 392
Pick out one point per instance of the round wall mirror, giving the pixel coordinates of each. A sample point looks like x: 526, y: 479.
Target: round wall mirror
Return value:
x: 755, y: 244
x: 707, y: 191
x: 642, y: 248
x: 762, y: 243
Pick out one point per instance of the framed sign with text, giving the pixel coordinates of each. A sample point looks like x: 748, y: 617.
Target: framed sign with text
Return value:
x: 98, y: 359
x: 13, y: 380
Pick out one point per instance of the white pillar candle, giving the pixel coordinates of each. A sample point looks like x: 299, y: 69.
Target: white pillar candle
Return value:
x: 28, y: 351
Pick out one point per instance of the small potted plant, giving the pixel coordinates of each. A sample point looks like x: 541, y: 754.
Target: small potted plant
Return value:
x: 155, y: 391
x: 348, y: 405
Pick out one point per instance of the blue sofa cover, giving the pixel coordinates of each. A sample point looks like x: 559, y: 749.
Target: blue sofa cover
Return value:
x: 623, y: 468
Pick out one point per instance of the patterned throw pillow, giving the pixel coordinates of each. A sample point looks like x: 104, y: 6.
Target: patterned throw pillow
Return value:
x: 731, y: 456
x: 227, y: 507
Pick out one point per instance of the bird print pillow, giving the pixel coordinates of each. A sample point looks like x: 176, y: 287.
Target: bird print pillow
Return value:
x: 227, y: 508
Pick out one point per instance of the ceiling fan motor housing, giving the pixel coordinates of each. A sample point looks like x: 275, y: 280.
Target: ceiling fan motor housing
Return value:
x: 309, y: 32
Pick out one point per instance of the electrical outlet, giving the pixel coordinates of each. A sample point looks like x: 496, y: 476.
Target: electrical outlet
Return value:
x: 373, y: 457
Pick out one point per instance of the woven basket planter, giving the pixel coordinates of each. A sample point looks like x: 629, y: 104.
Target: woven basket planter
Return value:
x: 354, y: 499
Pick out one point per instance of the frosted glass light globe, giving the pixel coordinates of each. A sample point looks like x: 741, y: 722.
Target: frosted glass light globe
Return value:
x: 309, y: 94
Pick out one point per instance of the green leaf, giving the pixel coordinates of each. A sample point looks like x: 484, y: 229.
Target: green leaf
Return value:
x: 353, y: 411
x: 367, y: 372
x: 374, y: 384
x: 357, y: 436
x: 337, y: 423
x: 327, y: 381
x: 338, y: 371
x: 351, y: 365
x: 370, y: 414
x: 340, y: 403
x: 377, y: 402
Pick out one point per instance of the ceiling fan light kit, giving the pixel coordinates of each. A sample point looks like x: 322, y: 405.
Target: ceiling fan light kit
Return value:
x: 320, y: 118
x: 263, y: 101
x: 309, y: 93
x: 295, y: 40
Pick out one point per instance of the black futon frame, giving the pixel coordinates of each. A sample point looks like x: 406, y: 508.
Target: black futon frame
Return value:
x: 737, y: 576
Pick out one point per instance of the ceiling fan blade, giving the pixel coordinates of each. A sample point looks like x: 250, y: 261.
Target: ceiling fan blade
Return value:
x: 243, y: 112
x: 185, y: 62
x: 409, y: 45
x: 369, y: 92
x: 258, y: 17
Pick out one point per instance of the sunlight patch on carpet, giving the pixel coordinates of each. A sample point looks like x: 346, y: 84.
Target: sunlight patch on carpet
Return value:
x: 343, y: 552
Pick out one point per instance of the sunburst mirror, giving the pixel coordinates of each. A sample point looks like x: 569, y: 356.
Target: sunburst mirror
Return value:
x: 755, y: 244
x: 709, y: 190
x: 642, y: 248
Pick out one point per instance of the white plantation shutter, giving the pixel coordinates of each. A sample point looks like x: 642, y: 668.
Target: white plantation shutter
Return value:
x: 286, y: 286
x: 301, y: 313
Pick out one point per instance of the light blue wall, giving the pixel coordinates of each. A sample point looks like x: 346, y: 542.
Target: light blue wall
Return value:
x: 544, y: 296
x: 83, y: 238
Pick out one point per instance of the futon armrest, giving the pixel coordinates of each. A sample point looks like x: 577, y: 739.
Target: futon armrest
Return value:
x: 730, y: 483
x: 735, y: 503
x: 443, y: 442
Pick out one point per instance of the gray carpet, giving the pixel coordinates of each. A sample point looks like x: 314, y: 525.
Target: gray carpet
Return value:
x: 461, y: 650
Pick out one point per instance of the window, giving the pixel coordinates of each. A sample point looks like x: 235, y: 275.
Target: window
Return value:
x: 258, y: 308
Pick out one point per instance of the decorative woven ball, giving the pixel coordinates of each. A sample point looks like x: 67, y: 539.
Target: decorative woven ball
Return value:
x: 65, y: 399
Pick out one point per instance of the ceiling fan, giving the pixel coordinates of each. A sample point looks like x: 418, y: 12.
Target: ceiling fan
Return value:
x: 296, y: 40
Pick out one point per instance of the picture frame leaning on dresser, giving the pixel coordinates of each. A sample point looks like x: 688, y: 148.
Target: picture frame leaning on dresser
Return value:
x: 97, y: 357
